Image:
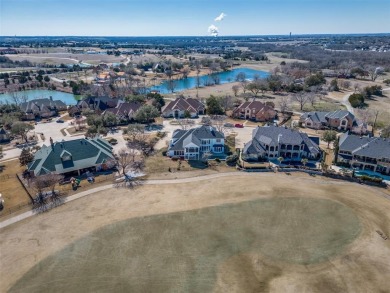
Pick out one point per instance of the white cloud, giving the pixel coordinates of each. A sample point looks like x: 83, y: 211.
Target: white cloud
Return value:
x: 213, y: 30
x: 220, y: 17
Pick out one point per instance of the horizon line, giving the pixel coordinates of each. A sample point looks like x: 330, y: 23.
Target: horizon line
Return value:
x: 204, y: 36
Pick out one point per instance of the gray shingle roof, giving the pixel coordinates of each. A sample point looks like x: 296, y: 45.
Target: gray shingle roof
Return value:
x: 323, y: 117
x: 373, y: 147
x: 256, y: 105
x: 41, y: 105
x: 194, y: 135
x: 84, y: 153
x: 182, y: 104
x: 274, y: 135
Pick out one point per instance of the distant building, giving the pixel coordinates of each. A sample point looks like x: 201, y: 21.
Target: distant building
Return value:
x: 254, y: 110
x: 194, y: 143
x: 365, y: 153
x: 8, y: 51
x: 177, y: 108
x: 103, y: 77
x: 73, y: 157
x: 272, y: 142
x: 42, y: 108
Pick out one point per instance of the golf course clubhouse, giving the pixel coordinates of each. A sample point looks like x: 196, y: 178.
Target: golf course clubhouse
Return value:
x: 72, y: 157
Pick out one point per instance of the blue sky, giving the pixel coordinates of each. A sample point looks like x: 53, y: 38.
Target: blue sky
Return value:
x: 191, y: 17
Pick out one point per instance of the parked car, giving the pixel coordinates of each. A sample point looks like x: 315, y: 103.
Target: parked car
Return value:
x: 60, y: 121
x: 238, y: 125
x: 228, y: 125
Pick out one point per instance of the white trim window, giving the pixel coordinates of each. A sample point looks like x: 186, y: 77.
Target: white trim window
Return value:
x: 218, y: 149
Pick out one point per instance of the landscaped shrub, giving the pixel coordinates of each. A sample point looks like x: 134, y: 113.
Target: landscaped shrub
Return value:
x: 232, y: 160
x: 371, y: 179
x: 356, y: 100
x: 217, y: 160
x: 373, y: 90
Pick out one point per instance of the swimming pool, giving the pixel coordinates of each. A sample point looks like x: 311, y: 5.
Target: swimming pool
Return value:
x: 372, y: 174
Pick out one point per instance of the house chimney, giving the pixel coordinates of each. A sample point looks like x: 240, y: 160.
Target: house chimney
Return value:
x: 51, y: 98
x: 51, y: 142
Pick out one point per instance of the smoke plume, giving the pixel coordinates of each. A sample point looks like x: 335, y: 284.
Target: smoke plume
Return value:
x: 220, y: 17
x: 213, y: 30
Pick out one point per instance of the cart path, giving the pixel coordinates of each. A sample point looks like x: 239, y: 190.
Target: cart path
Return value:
x: 31, y: 213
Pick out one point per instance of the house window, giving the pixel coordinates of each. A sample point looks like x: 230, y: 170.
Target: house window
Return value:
x: 218, y: 140
x: 344, y: 122
x: 205, y: 141
x: 218, y: 149
x: 66, y: 158
x: 205, y: 148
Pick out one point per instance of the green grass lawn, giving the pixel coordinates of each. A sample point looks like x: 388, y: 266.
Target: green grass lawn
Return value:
x: 181, y: 252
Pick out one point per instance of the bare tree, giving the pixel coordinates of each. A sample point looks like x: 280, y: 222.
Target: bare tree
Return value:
x: 346, y: 84
x: 185, y: 123
x: 52, y: 180
x: 284, y: 104
x: 364, y: 114
x: 301, y: 98
x: 124, y: 159
x: 40, y: 203
x: 235, y: 89
x: 130, y: 167
x: 227, y: 102
x: 356, y: 87
x: 218, y: 122
x: 312, y: 99
x: 244, y: 86
x: 372, y: 72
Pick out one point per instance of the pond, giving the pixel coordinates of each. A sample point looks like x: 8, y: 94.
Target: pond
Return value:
x: 180, y: 85
x: 222, y: 77
x: 69, y: 99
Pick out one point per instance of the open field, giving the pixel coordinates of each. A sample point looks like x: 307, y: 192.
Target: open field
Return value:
x: 278, y: 234
x: 66, y: 58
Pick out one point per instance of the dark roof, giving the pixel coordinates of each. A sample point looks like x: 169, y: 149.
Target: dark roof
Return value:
x: 323, y: 117
x: 98, y: 103
x: 195, y: 135
x: 183, y: 104
x: 373, y: 147
x: 84, y: 153
x: 41, y: 105
x: 274, y: 135
x: 124, y: 108
x: 2, y: 131
x: 254, y: 105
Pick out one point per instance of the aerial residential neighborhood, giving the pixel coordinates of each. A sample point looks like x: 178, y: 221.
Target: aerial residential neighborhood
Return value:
x: 193, y: 146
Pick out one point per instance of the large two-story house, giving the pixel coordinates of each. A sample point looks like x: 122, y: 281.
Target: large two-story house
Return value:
x: 365, y: 153
x: 271, y: 142
x: 340, y: 119
x: 254, y: 110
x: 124, y: 111
x: 194, y: 143
x: 42, y: 108
x: 178, y: 107
x: 97, y: 104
